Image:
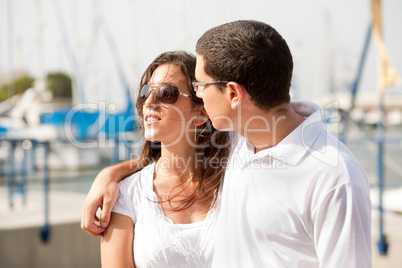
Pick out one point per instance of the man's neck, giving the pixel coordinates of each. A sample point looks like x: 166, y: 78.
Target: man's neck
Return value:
x: 265, y: 129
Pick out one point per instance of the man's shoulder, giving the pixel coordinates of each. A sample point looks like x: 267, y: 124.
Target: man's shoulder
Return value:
x: 335, y: 159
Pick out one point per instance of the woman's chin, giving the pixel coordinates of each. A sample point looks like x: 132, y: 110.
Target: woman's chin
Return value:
x: 152, y: 139
x: 149, y: 135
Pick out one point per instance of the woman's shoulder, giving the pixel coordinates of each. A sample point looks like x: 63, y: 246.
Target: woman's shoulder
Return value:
x: 139, y: 180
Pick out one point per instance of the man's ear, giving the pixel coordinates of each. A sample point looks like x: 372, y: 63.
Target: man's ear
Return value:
x: 235, y: 93
x: 201, y: 118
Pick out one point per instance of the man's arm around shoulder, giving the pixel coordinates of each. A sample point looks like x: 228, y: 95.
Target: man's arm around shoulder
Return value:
x: 103, y: 194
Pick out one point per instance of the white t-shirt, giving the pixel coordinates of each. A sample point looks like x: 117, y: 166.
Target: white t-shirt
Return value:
x: 158, y: 242
x: 303, y: 203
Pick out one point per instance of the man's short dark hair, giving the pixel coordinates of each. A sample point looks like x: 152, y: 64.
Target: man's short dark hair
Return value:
x: 253, y: 54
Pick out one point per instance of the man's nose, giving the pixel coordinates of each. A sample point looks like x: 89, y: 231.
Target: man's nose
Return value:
x: 198, y: 93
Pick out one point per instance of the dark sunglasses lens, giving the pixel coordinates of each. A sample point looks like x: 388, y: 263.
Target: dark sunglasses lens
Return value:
x: 168, y: 94
x: 145, y: 91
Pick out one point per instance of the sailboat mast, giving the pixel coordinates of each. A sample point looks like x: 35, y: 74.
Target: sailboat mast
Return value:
x: 39, y: 72
x: 11, y: 89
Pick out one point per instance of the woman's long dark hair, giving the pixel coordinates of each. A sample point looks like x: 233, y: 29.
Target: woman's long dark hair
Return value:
x: 212, y: 148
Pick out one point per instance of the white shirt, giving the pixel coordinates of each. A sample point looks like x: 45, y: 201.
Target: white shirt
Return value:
x: 158, y: 242
x: 303, y: 203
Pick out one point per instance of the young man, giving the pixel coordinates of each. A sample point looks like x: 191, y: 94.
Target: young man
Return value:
x: 293, y: 195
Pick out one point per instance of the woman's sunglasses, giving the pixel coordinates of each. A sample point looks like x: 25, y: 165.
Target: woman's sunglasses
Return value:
x: 167, y: 94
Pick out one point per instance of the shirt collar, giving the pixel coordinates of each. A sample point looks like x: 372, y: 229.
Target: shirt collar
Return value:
x: 294, y: 146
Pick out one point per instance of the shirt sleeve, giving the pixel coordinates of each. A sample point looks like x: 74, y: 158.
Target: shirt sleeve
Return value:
x: 342, y: 227
x: 125, y: 201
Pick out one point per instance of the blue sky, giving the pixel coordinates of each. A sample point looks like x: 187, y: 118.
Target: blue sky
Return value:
x: 326, y: 38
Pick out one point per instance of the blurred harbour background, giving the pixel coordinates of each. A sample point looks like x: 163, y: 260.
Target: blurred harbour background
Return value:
x: 69, y: 72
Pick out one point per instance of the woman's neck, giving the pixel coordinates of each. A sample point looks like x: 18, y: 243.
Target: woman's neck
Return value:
x: 176, y: 162
x: 176, y: 187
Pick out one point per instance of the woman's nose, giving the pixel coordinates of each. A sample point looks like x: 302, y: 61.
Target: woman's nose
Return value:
x: 150, y: 100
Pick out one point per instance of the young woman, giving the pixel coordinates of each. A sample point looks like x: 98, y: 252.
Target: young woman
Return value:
x: 165, y: 213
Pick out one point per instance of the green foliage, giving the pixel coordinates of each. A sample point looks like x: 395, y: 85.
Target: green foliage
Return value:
x: 60, y: 84
x: 17, y: 86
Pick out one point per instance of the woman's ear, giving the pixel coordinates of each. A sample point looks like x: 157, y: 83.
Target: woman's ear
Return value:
x: 235, y: 93
x: 201, y: 117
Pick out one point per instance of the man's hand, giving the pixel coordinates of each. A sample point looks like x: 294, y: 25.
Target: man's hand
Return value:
x: 103, y: 194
